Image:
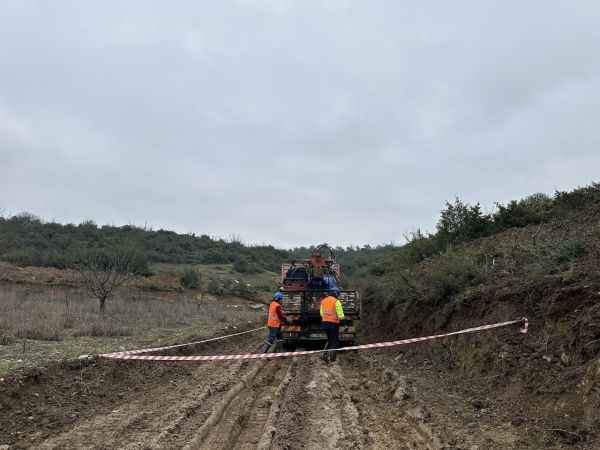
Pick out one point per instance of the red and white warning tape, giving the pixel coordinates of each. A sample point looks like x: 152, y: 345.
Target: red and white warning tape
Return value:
x: 188, y: 344
x: 136, y: 354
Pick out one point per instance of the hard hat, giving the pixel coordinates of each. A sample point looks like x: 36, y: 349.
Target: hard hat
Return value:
x: 277, y: 296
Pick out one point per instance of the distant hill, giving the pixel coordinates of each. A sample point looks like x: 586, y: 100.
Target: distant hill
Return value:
x: 28, y: 240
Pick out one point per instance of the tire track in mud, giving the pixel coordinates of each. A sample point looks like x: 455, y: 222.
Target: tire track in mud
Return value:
x: 259, y: 419
x: 151, y: 419
x: 317, y: 411
x: 385, y: 423
x: 181, y: 418
x: 239, y: 420
x: 291, y: 403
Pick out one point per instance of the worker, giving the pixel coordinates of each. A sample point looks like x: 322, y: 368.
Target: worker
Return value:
x: 332, y: 313
x: 274, y: 321
x: 291, y: 270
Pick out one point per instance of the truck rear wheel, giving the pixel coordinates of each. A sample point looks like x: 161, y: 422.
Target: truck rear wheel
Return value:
x: 289, y: 346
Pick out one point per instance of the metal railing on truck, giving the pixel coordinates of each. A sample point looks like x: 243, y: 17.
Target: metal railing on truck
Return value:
x: 309, y: 302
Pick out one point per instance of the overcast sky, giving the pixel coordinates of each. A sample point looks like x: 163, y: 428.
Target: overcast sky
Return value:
x: 293, y: 122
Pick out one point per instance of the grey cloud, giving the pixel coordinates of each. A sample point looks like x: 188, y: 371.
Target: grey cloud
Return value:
x: 293, y: 122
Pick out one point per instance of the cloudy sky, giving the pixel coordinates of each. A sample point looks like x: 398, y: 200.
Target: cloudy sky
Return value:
x: 293, y: 122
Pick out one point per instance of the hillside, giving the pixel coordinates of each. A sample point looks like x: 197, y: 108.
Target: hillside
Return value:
x: 27, y: 240
x: 545, y: 385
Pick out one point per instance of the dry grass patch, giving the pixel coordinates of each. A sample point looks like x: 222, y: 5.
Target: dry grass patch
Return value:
x: 53, y: 314
x: 102, y: 328
x: 40, y: 323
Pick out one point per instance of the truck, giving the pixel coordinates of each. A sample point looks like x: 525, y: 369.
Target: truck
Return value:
x: 303, y: 283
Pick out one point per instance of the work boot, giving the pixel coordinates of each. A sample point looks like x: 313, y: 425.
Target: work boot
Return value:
x: 264, y: 348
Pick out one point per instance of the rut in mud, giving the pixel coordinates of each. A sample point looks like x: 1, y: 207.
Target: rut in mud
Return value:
x: 365, y: 400
x: 285, y: 403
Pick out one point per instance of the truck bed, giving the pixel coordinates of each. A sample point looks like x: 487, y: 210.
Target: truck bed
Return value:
x: 308, y: 303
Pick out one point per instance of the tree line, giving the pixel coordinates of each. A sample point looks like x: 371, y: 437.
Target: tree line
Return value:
x: 27, y: 240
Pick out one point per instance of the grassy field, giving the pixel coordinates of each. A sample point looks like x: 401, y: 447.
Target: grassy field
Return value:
x: 165, y: 278
x: 40, y: 323
x: 263, y: 281
x: 45, y: 316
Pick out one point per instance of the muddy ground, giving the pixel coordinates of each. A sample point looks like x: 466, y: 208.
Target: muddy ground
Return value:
x: 387, y: 399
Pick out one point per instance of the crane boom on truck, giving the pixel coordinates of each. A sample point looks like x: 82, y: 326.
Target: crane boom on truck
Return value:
x: 303, y: 284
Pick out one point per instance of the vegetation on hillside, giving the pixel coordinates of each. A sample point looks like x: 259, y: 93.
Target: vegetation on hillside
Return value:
x: 27, y: 240
x: 440, y: 267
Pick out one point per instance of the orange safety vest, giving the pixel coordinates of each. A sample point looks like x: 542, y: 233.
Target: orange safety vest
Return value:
x: 274, y: 310
x: 329, y: 311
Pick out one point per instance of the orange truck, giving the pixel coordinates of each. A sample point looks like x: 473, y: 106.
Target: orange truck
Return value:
x: 303, y: 284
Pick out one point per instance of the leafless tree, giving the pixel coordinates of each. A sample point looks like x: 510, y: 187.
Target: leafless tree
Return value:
x: 3, y: 271
x: 101, y: 272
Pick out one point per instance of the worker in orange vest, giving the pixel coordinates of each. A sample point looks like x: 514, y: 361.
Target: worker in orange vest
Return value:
x: 332, y: 313
x: 274, y: 321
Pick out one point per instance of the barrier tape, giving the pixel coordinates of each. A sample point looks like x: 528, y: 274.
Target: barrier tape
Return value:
x: 188, y: 344
x: 136, y: 354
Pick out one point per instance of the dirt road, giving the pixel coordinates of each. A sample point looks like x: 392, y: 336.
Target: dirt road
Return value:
x: 363, y: 401
x: 282, y: 404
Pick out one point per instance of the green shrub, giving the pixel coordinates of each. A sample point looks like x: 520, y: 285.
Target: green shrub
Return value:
x: 450, y: 275
x: 242, y: 265
x: 460, y: 222
x: 140, y: 264
x: 419, y: 247
x: 569, y: 250
x: 531, y: 210
x: 214, y: 287
x: 377, y: 269
x: 403, y: 288
x: 578, y: 198
x: 191, y: 278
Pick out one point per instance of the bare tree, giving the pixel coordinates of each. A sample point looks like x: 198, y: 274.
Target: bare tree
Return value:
x: 101, y: 272
x: 3, y: 271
